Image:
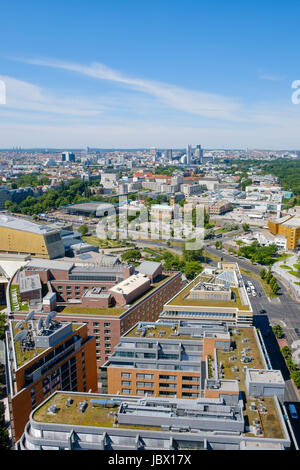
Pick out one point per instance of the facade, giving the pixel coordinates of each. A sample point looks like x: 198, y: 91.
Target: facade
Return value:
x: 287, y: 227
x: 42, y: 358
x: 23, y: 237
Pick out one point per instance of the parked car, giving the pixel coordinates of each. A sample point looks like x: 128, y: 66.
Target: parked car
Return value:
x: 262, y: 311
x: 293, y: 411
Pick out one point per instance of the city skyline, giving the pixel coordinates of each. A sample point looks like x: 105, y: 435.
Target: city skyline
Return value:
x: 161, y: 76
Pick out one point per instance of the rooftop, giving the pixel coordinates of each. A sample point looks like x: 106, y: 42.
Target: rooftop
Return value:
x: 271, y: 376
x: 49, y: 264
x: 181, y: 299
x: 156, y: 330
x: 112, y: 410
x: 130, y: 284
x: 24, y: 225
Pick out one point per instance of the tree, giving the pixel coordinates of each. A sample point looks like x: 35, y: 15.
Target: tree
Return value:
x: 295, y: 375
x: 2, y: 325
x: 246, y: 227
x: 83, y: 229
x: 277, y: 331
x: 192, y: 269
x: 263, y: 273
x: 131, y: 256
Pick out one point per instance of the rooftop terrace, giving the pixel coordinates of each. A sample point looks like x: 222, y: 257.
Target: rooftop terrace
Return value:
x: 157, y: 331
x: 181, y: 299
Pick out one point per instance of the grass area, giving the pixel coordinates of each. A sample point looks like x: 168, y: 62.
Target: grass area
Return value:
x: 23, y: 356
x: 90, y: 311
x: 270, y: 422
x: 290, y: 269
x: 20, y: 302
x: 265, y: 285
x: 92, y: 416
x: 181, y: 299
x: 282, y: 257
x: 94, y: 240
x: 210, y: 256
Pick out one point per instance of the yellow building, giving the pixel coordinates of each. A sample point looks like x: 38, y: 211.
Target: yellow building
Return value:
x: 288, y: 227
x: 19, y: 236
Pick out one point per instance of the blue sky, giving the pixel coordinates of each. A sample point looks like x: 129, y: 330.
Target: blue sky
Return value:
x: 139, y: 74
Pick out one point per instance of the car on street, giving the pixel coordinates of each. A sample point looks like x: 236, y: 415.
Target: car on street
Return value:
x: 262, y: 311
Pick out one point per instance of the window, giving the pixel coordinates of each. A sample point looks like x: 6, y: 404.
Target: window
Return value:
x: 166, y: 385
x: 106, y: 324
x: 96, y: 331
x: 126, y: 391
x: 126, y: 383
x: 95, y: 323
x: 125, y: 375
x: 168, y: 377
x: 107, y: 338
x: 145, y: 384
x: 107, y: 332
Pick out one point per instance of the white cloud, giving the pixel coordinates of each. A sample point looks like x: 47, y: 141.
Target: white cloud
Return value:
x: 271, y: 78
x: 21, y: 95
x: 196, y: 102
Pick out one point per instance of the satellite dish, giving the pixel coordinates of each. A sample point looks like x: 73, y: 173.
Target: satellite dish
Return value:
x: 21, y: 335
x: 40, y: 324
x: 19, y: 325
x: 47, y: 321
x: 29, y: 316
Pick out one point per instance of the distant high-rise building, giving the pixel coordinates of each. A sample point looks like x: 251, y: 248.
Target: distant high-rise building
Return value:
x: 198, y: 151
x: 168, y: 154
x: 188, y: 154
x: 68, y: 157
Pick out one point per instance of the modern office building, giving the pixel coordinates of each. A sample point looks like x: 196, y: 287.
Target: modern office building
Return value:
x: 189, y: 155
x: 42, y: 356
x: 216, y: 294
x: 288, y: 227
x: 19, y: 236
x: 68, y: 157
